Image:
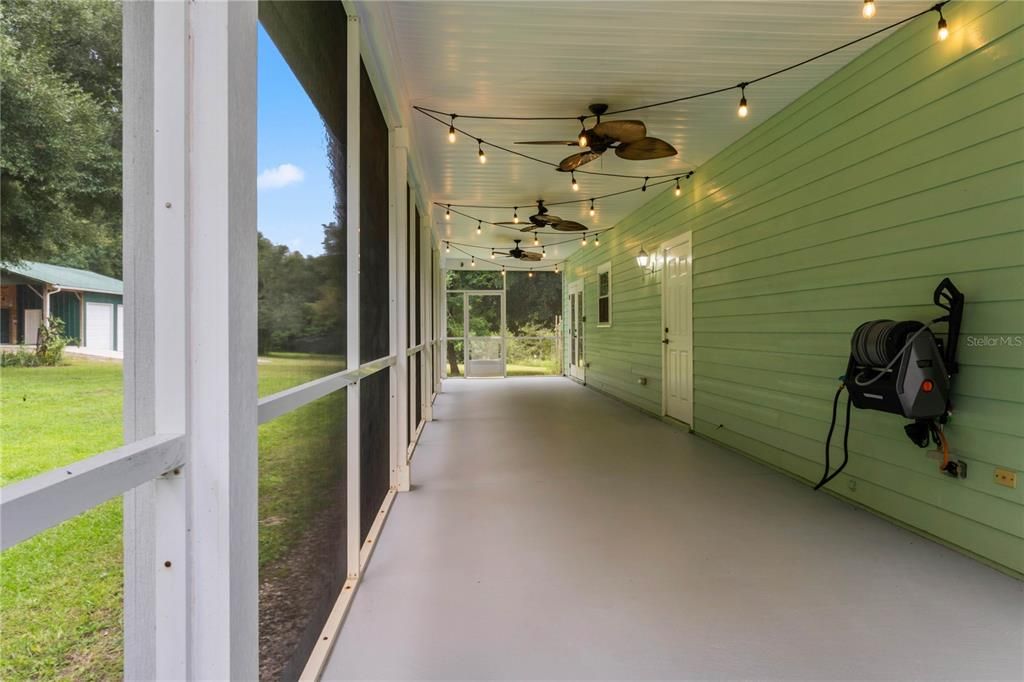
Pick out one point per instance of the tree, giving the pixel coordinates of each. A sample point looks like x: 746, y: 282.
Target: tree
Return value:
x: 60, y: 122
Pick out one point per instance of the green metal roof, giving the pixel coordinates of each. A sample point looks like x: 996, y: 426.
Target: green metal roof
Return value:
x: 66, y: 278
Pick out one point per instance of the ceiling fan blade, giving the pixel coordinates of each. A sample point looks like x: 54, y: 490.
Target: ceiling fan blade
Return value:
x: 544, y: 220
x: 570, y: 226
x: 509, y: 222
x: 502, y: 253
x: 529, y: 255
x: 574, y: 161
x: 623, y: 131
x: 530, y: 228
x: 570, y: 143
x: 645, y: 149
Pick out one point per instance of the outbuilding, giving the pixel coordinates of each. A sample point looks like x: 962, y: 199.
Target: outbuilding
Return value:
x: 90, y: 304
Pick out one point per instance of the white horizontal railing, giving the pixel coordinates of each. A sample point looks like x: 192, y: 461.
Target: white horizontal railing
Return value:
x: 31, y: 506
x: 283, y: 402
x: 415, y: 349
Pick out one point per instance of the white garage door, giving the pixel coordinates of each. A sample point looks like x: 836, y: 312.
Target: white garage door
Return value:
x: 120, y: 327
x: 99, y: 326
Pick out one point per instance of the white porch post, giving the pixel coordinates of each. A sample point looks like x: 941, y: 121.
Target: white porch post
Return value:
x: 352, y: 208
x: 427, y: 319
x: 400, y: 478
x: 410, y: 274
x: 190, y: 273
x: 221, y: 328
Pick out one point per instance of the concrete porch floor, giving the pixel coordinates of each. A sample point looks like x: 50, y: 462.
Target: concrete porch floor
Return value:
x: 556, y: 533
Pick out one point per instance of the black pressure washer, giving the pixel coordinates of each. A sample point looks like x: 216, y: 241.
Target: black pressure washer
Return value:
x: 902, y: 368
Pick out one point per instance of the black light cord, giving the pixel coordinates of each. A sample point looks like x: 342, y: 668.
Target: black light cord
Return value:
x: 826, y: 477
x: 538, y: 268
x: 643, y: 188
x: 527, y: 246
x: 481, y: 142
x: 707, y: 93
x: 526, y: 222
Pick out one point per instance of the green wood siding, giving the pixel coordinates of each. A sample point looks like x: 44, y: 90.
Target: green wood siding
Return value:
x: 66, y: 306
x: 849, y: 205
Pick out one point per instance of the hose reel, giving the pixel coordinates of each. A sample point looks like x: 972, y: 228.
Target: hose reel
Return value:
x: 901, y: 367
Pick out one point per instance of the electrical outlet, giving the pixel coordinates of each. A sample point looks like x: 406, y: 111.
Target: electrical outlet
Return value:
x: 1006, y: 477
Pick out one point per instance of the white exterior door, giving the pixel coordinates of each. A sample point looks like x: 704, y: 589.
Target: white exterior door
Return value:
x: 677, y: 320
x: 577, y: 364
x: 99, y: 326
x: 33, y: 318
x: 120, y: 327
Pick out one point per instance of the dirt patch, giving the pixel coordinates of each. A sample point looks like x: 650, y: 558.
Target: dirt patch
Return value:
x: 297, y: 592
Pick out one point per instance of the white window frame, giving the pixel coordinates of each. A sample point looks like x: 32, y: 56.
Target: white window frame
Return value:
x: 602, y: 269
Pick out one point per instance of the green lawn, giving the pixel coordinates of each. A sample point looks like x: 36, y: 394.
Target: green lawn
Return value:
x: 60, y: 592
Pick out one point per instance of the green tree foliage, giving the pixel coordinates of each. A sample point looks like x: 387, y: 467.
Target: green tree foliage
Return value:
x: 60, y: 124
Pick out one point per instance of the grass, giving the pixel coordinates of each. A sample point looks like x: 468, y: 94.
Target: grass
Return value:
x: 61, y: 591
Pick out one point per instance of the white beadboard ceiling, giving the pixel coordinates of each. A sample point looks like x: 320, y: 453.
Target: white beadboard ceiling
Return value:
x: 555, y: 58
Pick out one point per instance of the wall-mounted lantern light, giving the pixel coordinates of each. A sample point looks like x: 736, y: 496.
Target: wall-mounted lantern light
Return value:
x: 643, y: 259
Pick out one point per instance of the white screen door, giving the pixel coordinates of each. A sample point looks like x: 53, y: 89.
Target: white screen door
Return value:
x: 577, y: 365
x: 485, y: 334
x: 677, y: 319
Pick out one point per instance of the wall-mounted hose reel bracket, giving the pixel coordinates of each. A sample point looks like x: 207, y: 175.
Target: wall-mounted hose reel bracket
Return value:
x: 903, y: 368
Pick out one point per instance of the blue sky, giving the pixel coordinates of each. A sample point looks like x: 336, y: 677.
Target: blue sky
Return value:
x: 294, y: 187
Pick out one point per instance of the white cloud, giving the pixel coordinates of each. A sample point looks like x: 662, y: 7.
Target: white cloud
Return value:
x: 280, y: 176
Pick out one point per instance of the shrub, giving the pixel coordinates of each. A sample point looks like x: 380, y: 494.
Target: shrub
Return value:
x: 49, y: 350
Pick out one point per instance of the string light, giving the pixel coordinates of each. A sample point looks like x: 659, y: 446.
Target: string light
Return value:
x: 451, y: 130
x: 447, y: 247
x: 743, y: 110
x: 543, y: 252
x: 473, y: 262
x: 531, y: 272
x: 644, y: 188
x: 502, y: 270
x: 492, y: 254
x: 592, y: 208
x: 536, y: 240
x: 597, y: 239
x: 575, y: 185
x: 583, y: 242
x: 678, y: 189
x: 480, y: 150
x: 448, y: 212
x: 479, y: 226
x: 515, y: 215
x: 868, y: 10
x: 556, y: 268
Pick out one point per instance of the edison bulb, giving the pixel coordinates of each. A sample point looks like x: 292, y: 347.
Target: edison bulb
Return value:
x: 743, y: 110
x: 869, y: 9
x: 451, y: 134
x: 943, y: 29
x: 583, y: 139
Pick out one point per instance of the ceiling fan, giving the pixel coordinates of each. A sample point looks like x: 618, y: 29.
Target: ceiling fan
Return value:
x: 628, y: 138
x: 542, y: 219
x: 519, y: 253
